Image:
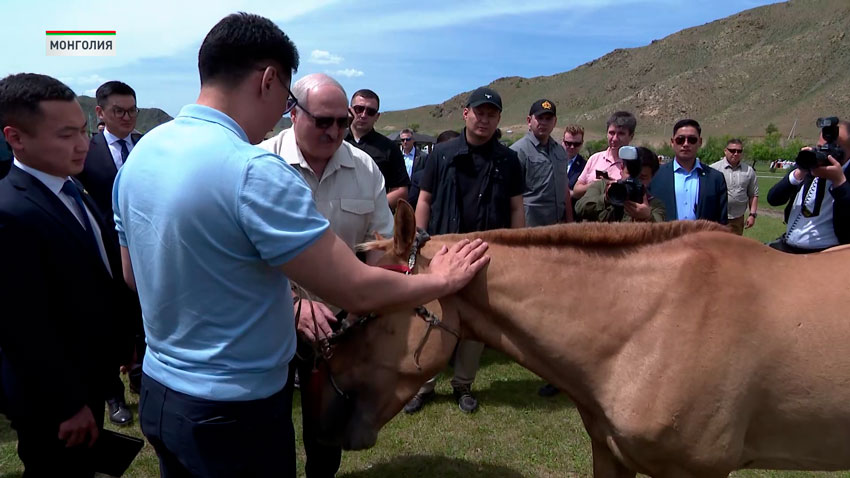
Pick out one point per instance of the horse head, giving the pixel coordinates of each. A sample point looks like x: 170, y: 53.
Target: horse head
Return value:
x: 379, y: 361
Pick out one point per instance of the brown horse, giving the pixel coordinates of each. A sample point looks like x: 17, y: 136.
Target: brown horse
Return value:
x: 688, y: 351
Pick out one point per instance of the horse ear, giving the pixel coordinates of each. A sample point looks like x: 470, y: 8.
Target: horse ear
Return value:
x: 404, y: 229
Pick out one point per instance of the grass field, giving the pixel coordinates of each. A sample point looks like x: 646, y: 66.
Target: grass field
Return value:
x: 515, y: 434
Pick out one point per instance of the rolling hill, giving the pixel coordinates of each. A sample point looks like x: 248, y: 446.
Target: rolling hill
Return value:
x: 772, y: 64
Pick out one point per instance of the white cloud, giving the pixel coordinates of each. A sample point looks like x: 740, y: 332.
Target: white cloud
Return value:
x: 322, y: 57
x: 348, y: 72
x: 85, y: 80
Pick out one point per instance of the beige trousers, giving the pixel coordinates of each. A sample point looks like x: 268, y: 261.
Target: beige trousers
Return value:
x: 737, y: 225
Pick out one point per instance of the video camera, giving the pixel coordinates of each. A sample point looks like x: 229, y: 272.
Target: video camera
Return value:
x: 629, y: 189
x: 818, y: 155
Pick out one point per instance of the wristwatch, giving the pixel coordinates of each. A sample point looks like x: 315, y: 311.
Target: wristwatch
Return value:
x: 754, y: 214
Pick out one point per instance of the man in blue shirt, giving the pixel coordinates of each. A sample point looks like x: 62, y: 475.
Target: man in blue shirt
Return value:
x: 211, y: 229
x: 689, y: 189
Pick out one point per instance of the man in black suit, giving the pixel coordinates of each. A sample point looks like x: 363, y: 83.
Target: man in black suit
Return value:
x: 116, y: 108
x: 689, y: 189
x: 61, y: 273
x: 573, y: 141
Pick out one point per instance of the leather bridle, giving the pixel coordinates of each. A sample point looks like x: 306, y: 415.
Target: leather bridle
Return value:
x: 324, y: 347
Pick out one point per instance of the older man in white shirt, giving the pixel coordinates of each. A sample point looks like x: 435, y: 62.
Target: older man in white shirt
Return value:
x: 348, y: 189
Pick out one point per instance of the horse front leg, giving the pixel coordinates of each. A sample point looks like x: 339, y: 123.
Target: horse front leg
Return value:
x: 605, y: 464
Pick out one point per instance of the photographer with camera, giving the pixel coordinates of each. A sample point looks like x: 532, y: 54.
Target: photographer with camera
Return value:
x: 817, y: 193
x: 628, y: 199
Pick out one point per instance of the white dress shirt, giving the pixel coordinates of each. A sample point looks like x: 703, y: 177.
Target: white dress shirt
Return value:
x: 115, y: 148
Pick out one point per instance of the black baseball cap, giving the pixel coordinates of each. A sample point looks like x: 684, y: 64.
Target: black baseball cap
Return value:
x: 541, y: 107
x: 484, y: 95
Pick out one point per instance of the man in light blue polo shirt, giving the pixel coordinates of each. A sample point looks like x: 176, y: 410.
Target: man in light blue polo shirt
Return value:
x: 211, y: 228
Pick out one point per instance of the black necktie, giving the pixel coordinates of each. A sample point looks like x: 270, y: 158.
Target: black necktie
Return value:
x: 124, y: 151
x: 71, y: 189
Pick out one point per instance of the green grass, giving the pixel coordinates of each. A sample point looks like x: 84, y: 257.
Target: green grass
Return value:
x: 515, y: 434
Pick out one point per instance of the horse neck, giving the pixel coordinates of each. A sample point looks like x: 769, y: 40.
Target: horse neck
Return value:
x: 560, y: 312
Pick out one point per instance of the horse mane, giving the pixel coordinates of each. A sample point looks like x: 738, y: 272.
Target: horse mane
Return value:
x: 585, y: 234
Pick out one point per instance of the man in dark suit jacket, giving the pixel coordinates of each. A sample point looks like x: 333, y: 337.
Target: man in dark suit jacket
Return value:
x: 573, y: 141
x: 689, y: 189
x: 61, y: 274
x: 116, y: 107
x: 817, y: 203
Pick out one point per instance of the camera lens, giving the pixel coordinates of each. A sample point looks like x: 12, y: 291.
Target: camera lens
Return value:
x: 617, y: 194
x: 807, y: 159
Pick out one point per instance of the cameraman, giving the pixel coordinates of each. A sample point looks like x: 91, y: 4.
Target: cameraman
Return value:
x: 596, y: 206
x: 818, y: 203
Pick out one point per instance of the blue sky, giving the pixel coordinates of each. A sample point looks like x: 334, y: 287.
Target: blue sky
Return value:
x: 410, y: 53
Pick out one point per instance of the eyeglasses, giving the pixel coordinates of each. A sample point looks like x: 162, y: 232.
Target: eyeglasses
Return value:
x: 680, y: 140
x: 359, y: 109
x: 735, y: 150
x: 404, y: 140
x: 291, y: 102
x: 119, y: 112
x: 573, y: 144
x: 325, y: 122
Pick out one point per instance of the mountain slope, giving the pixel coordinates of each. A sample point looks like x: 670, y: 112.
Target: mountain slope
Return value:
x: 771, y: 64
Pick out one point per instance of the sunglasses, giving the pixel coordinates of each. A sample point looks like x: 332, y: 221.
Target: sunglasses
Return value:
x: 735, y: 150
x: 404, y: 140
x: 359, y: 109
x: 573, y: 144
x: 680, y: 140
x: 325, y: 122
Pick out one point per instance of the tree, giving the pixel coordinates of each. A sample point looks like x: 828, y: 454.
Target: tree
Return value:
x: 771, y: 129
x: 594, y: 146
x: 414, y: 127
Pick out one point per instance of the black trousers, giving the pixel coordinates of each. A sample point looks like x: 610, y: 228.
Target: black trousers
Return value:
x: 39, y: 447
x: 194, y: 437
x: 322, y: 460
x: 44, y: 455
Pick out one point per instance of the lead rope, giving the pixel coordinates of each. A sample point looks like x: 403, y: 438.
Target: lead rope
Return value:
x: 432, y: 321
x: 320, y: 347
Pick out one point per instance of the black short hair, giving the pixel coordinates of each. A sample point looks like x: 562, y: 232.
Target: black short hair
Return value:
x: 623, y: 119
x: 447, y: 135
x: 735, y: 141
x: 369, y: 95
x: 240, y: 43
x: 21, y: 95
x: 687, y: 122
x: 110, y: 88
x: 648, y: 158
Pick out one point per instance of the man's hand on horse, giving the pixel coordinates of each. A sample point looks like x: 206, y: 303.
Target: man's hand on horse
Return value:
x: 315, y: 318
x: 459, y: 264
